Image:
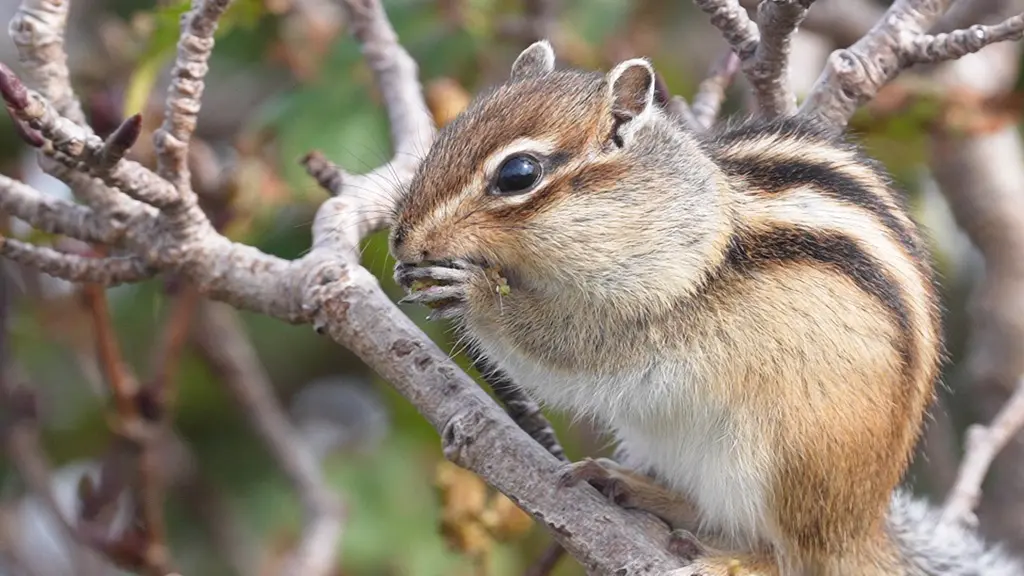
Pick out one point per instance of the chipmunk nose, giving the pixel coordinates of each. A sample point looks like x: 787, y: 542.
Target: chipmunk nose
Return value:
x: 403, y: 252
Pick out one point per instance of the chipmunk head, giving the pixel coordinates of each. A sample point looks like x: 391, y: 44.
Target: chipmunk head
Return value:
x: 559, y: 175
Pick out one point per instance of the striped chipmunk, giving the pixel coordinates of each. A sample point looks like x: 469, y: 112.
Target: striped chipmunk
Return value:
x: 749, y: 311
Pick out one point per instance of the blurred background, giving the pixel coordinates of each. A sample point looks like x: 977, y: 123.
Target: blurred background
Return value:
x: 286, y: 79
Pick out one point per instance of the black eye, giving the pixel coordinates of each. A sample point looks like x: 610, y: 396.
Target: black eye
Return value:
x: 518, y: 174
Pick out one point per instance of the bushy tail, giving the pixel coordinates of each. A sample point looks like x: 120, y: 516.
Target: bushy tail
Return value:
x: 930, y: 548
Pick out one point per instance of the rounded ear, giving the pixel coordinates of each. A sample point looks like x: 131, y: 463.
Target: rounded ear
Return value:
x: 538, y: 59
x: 631, y: 88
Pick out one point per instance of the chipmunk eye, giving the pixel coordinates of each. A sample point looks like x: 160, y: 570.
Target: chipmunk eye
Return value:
x: 518, y: 174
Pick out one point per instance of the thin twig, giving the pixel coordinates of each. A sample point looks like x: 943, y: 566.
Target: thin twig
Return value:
x: 55, y: 215
x: 707, y: 102
x: 983, y: 445
x: 736, y: 27
x: 221, y: 341
x: 109, y: 271
x: 928, y: 49
x: 547, y: 561
x: 123, y: 386
x: 83, y: 149
x: 855, y: 75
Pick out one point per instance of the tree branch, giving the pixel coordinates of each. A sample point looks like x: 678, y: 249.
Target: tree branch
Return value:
x: 929, y: 49
x: 55, y: 215
x: 738, y: 29
x: 983, y: 445
x: 768, y: 69
x: 855, y: 74
x: 83, y: 150
x: 221, y: 340
x: 109, y: 271
x: 711, y: 92
x: 185, y: 92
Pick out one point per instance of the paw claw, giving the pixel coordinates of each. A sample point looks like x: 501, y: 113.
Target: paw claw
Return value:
x: 446, y: 290
x: 454, y: 273
x: 600, y: 473
x: 685, y: 544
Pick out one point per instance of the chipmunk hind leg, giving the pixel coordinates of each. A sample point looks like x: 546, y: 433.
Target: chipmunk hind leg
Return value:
x: 628, y: 488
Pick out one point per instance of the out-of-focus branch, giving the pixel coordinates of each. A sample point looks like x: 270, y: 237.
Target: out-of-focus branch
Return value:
x: 20, y: 432
x: 981, y: 174
x: 159, y: 391
x: 842, y: 21
x: 108, y: 271
x: 854, y: 75
x: 539, y: 22
x: 928, y: 49
x: 983, y: 445
x: 707, y: 102
x: 122, y: 383
x: 221, y: 340
x: 146, y: 550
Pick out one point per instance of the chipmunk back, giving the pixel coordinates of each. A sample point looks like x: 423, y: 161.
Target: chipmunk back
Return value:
x: 750, y: 311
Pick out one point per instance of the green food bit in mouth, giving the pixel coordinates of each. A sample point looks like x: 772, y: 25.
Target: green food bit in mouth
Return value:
x: 503, y: 287
x: 418, y: 285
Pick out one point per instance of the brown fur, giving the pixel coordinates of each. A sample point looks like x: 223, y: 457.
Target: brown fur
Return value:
x: 813, y: 332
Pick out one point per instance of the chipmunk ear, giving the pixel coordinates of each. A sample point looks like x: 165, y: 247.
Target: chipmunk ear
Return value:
x: 631, y: 88
x: 538, y: 59
x: 631, y: 84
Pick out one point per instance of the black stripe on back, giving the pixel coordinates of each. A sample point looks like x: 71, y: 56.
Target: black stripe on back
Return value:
x: 773, y: 177
x: 752, y: 251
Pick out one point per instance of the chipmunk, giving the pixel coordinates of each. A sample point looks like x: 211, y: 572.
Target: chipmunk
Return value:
x: 750, y: 312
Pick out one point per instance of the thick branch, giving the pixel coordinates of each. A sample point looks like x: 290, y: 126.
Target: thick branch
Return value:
x: 480, y: 436
x: 768, y: 71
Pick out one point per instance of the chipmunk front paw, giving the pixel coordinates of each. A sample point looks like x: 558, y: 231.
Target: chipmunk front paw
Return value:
x: 723, y: 566
x: 440, y: 286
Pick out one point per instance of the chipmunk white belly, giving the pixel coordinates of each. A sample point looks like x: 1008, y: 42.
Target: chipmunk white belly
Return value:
x: 666, y: 418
